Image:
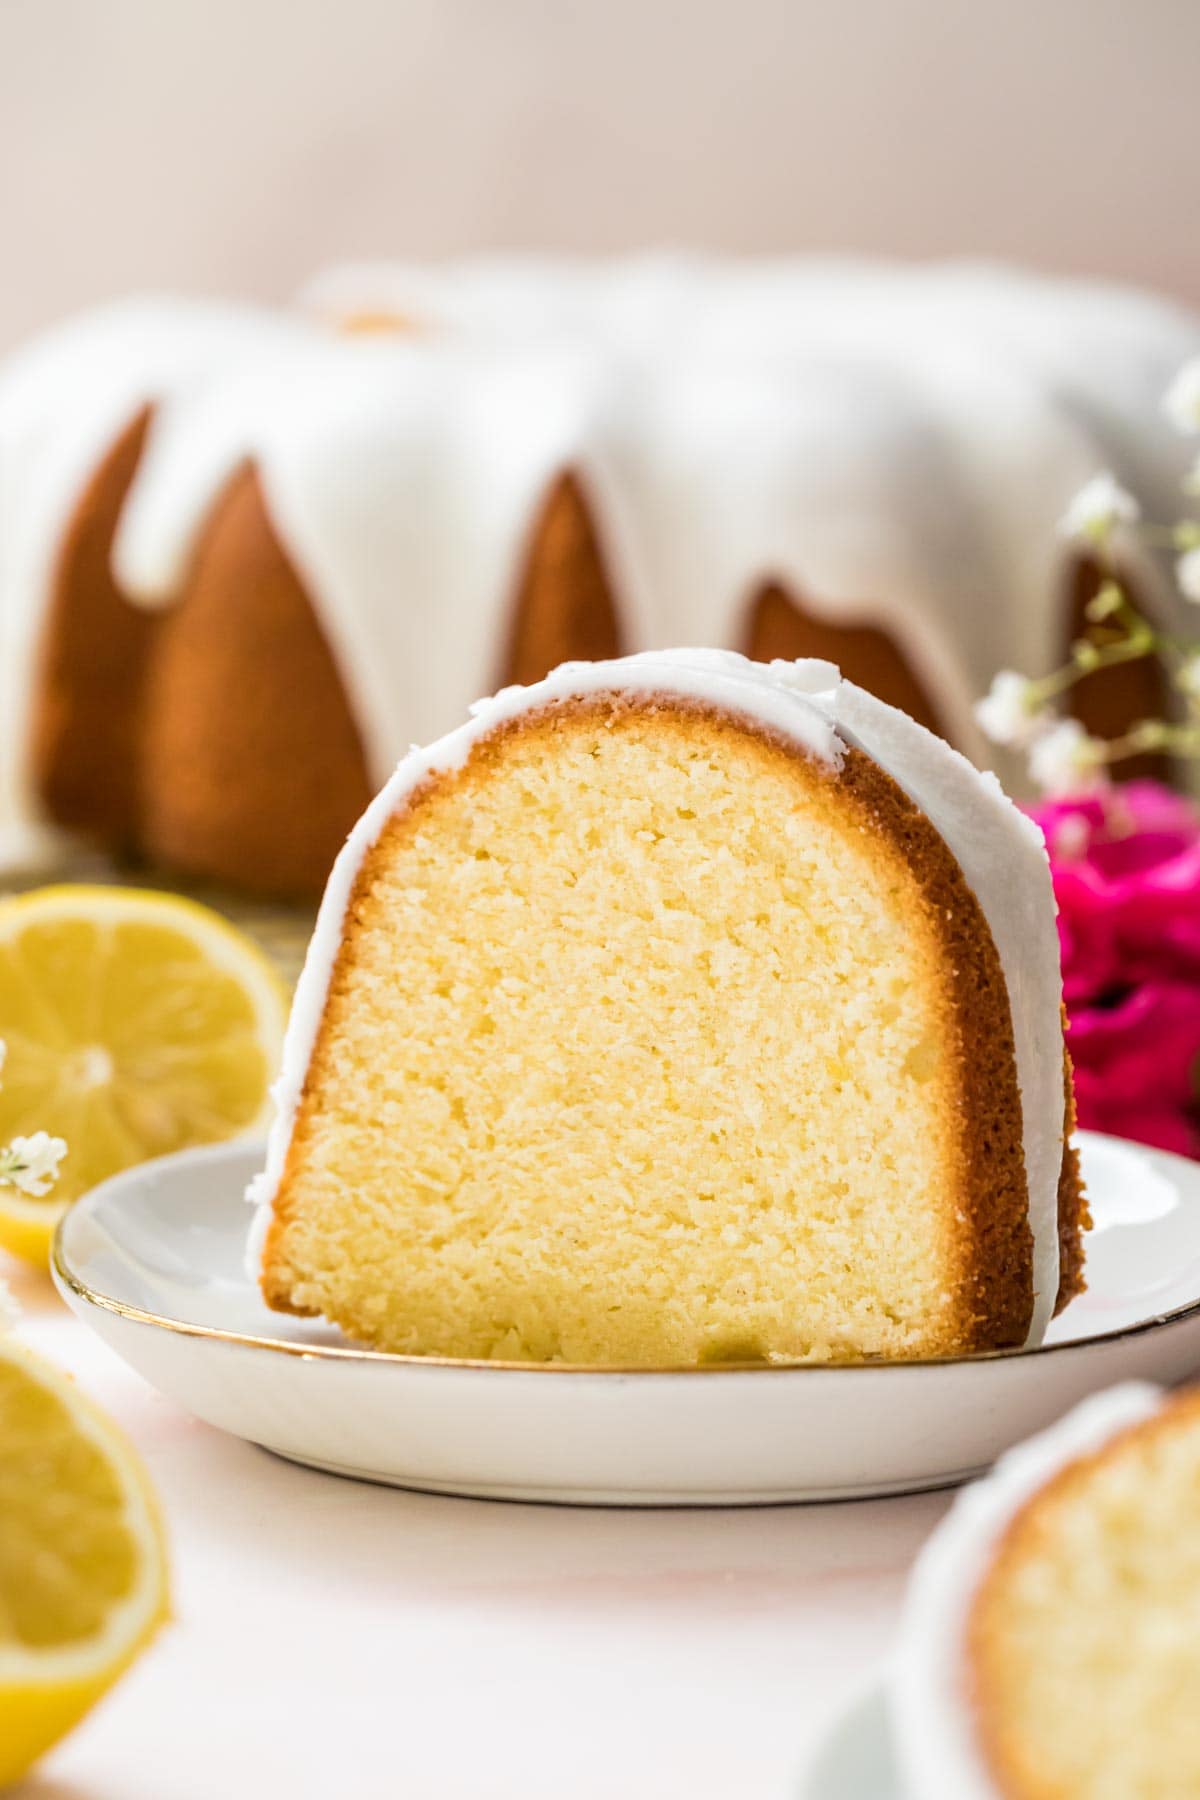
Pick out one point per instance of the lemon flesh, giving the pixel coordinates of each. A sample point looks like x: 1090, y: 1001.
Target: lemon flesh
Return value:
x: 83, y: 1583
x: 136, y: 1024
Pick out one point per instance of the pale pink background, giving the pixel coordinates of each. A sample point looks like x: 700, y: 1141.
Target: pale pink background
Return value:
x: 235, y: 144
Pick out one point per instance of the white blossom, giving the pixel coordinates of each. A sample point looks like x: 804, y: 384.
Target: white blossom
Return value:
x: 1065, y: 760
x: 31, y: 1163
x: 1011, y: 712
x: 1071, y: 837
x: 1187, y: 676
x: 1187, y: 573
x: 1100, y: 505
x: 10, y: 1312
x: 1181, y: 402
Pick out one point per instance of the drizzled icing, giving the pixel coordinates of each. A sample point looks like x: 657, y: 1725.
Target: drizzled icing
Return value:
x: 894, y: 445
x: 64, y: 401
x: 1000, y: 852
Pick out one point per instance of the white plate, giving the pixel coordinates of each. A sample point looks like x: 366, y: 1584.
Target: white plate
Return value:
x: 152, y: 1261
x: 855, y: 1759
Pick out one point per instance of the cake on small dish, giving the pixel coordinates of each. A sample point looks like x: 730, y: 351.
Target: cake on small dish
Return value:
x: 1051, y: 1643
x: 676, y: 1009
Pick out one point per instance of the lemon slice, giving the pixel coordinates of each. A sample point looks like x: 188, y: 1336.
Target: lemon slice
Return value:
x: 136, y: 1023
x: 83, y: 1574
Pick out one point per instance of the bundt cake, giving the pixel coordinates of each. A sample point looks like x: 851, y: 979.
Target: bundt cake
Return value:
x: 679, y: 1008
x: 1050, y: 1647
x: 246, y: 558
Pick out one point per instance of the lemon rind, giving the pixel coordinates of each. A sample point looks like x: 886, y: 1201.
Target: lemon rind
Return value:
x: 134, y: 1619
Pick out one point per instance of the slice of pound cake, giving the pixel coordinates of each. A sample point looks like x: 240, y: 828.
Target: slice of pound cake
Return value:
x: 679, y: 1009
x: 1050, y: 1648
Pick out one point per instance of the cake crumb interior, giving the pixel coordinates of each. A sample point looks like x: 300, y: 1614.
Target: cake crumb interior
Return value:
x: 1086, y: 1633
x: 639, y: 1050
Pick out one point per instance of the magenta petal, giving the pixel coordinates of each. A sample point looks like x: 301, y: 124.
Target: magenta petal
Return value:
x: 1087, y: 934
x: 1156, y: 918
x: 1154, y: 807
x: 1079, y: 816
x: 1144, y: 1048
x: 1162, y: 1127
x: 1126, y: 869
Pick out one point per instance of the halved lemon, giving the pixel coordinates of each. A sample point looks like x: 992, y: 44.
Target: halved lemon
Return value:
x: 83, y: 1569
x: 136, y: 1023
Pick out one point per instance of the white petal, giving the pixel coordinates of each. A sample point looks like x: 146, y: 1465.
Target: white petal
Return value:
x: 1067, y: 761
x: 1182, y: 400
x: 31, y: 1163
x: 1010, y: 713
x: 1187, y: 573
x: 1100, y: 504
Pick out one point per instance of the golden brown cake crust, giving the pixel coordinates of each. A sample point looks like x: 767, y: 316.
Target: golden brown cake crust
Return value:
x: 988, y: 1215
x: 1003, y: 1755
x: 564, y: 609
x: 780, y: 625
x: 86, y: 717
x: 1074, y: 1218
x: 253, y: 766
x: 995, y: 1237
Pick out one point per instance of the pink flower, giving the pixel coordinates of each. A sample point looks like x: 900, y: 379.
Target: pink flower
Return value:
x: 1126, y: 867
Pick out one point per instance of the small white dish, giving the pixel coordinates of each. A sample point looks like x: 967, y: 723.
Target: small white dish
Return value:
x: 855, y: 1758
x: 153, y: 1262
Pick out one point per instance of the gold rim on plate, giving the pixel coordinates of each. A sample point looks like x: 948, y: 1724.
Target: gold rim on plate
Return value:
x: 69, y: 1280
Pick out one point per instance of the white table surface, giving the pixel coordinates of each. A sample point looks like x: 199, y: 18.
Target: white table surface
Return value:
x: 336, y: 1638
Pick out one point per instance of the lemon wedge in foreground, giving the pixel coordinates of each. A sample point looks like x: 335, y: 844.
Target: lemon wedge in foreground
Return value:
x: 83, y: 1579
x: 136, y: 1023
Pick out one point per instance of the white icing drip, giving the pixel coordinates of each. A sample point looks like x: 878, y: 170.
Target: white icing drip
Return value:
x: 894, y: 445
x: 931, y: 1716
x: 1002, y: 856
